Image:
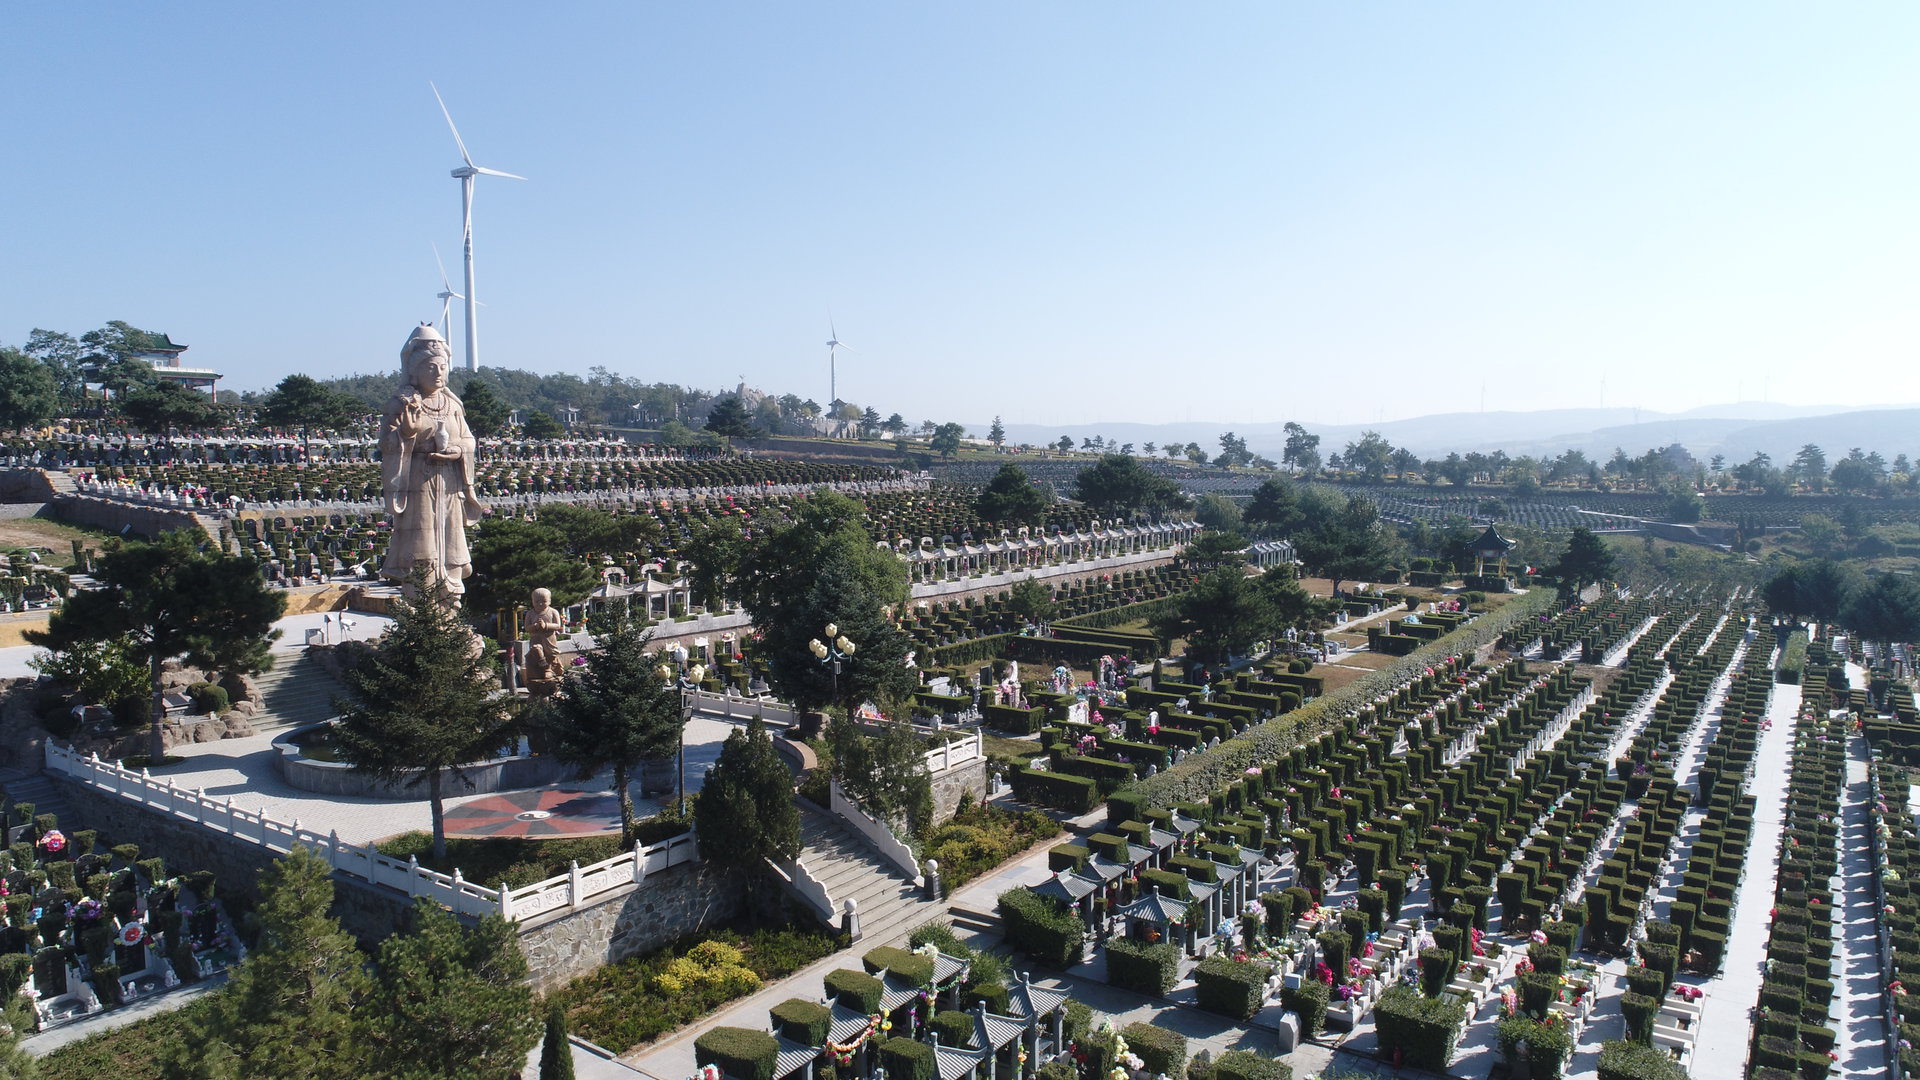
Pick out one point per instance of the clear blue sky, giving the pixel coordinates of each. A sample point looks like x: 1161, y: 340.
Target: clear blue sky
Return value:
x: 1056, y: 212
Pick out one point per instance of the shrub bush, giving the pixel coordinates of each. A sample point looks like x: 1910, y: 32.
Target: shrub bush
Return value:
x: 1425, y: 1030
x: 739, y: 1052
x: 906, y: 1059
x: 953, y: 1027
x: 1142, y: 968
x: 1076, y: 794
x: 803, y: 1021
x: 855, y: 989
x: 1631, y: 1061
x: 1436, y: 970
x: 1549, y: 1046
x: 1247, y: 1065
x: 1639, y: 1010
x: 1163, y: 1051
x: 1232, y: 988
x: 1308, y: 1001
x: 1042, y: 931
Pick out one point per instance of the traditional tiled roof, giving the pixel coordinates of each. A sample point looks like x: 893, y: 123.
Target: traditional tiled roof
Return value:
x: 1153, y: 907
x: 793, y: 1057
x: 995, y: 1031
x: 952, y: 1063
x: 1029, y: 1001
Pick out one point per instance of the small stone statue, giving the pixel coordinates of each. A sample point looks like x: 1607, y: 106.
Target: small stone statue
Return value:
x: 543, y: 625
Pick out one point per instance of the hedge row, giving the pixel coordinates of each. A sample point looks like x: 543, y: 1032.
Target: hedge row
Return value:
x: 1197, y: 778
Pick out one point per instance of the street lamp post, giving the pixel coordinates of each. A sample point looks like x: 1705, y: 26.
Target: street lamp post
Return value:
x: 830, y: 653
x: 688, y: 683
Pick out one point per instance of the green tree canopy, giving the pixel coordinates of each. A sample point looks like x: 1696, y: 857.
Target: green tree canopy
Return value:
x: 175, y: 597
x: 1011, y: 499
x: 541, y: 425
x: 1031, y: 599
x: 1118, y: 485
x: 1225, y: 612
x: 451, y: 1001
x: 425, y: 703
x: 1886, y: 609
x: 514, y: 556
x: 615, y: 712
x: 1217, y: 512
x: 303, y: 403
x: 29, y: 394
x: 745, y: 811
x: 168, y: 405
x: 1343, y: 542
x: 1274, y: 508
x: 1815, y: 589
x: 730, y: 418
x: 713, y: 555
x: 1586, y: 561
x: 289, y: 1009
x: 886, y: 773
x: 946, y: 439
x: 821, y: 568
x: 487, y: 414
x: 997, y: 434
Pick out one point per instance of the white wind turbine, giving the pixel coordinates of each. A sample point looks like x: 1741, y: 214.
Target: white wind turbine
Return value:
x: 834, y: 345
x: 446, y: 294
x: 465, y: 175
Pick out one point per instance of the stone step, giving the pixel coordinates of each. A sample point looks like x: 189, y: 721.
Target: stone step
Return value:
x: 45, y: 795
x: 296, y: 692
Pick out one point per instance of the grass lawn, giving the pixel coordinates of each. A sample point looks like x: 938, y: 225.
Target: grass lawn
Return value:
x: 1364, y: 660
x: 1335, y: 676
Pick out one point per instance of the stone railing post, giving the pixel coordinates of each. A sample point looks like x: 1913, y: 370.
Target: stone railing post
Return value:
x: 574, y: 899
x: 850, y: 918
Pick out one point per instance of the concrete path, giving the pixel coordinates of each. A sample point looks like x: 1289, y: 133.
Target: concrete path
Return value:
x: 1726, y: 1016
x: 1860, y: 1001
x: 66, y: 1034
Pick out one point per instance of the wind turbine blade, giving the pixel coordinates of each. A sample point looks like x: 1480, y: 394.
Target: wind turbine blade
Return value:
x: 468, y: 158
x: 843, y: 345
x: 497, y: 172
x: 444, y: 283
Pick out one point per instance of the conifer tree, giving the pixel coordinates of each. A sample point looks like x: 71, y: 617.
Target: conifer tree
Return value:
x: 425, y: 703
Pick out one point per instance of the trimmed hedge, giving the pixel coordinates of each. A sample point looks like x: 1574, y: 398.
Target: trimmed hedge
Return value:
x: 1037, y: 928
x: 1197, y: 778
x: 1308, y: 1001
x: 855, y: 989
x: 1425, y: 1030
x: 912, y: 967
x: 1247, y: 1065
x: 739, y: 1052
x: 1549, y: 1046
x: 1631, y: 1061
x: 1793, y: 659
x: 1142, y: 968
x: 802, y: 1021
x: 1163, y: 1051
x: 1232, y: 988
x: 1061, y: 791
x: 906, y: 1059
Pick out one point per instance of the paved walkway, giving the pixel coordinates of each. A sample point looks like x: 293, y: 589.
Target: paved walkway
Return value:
x: 1859, y: 998
x: 245, y: 769
x: 1726, y: 1015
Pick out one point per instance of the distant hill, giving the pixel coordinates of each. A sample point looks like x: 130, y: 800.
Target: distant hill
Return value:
x: 1736, y: 430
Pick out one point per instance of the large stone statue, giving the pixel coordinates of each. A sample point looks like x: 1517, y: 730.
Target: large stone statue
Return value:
x: 543, y: 625
x: 426, y: 469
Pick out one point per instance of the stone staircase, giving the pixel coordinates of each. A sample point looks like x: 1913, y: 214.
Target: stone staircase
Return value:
x: 889, y: 903
x: 297, y: 691
x: 61, y: 482
x: 39, y: 789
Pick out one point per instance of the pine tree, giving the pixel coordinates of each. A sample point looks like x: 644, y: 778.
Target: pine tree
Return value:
x: 424, y: 702
x: 745, y: 811
x: 617, y: 712
x: 289, y: 1008
x: 451, y: 1001
x: 556, y: 1055
x: 997, y: 434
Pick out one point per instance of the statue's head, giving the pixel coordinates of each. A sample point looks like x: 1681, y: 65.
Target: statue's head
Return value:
x: 542, y: 598
x: 425, y: 358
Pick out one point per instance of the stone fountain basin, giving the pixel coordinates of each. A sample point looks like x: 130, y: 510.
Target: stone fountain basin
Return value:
x: 300, y: 769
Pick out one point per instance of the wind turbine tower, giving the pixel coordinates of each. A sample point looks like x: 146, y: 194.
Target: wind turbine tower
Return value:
x: 834, y: 346
x: 465, y: 175
x: 446, y: 295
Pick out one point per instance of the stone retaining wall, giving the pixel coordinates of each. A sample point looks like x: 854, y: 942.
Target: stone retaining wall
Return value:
x: 948, y: 784
x: 560, y: 946
x: 115, y: 516
x: 632, y: 921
